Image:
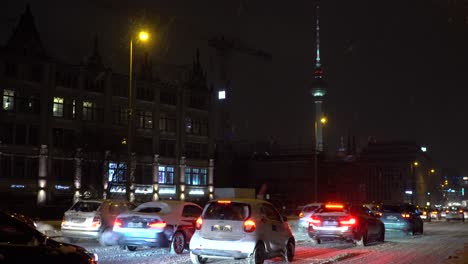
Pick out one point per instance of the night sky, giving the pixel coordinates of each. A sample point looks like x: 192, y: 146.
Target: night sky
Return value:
x: 396, y: 70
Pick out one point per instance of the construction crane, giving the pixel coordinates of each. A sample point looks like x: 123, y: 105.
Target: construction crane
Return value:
x: 224, y: 48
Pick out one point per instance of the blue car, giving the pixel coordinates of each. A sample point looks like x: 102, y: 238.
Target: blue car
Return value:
x: 402, y: 217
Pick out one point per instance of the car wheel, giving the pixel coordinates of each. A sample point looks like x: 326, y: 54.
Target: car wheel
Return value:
x: 258, y: 255
x: 315, y: 241
x: 289, y: 251
x: 131, y: 248
x: 178, y: 242
x: 362, y: 242
x: 196, y: 259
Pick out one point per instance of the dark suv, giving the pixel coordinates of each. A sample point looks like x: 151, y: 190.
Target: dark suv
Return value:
x: 403, y: 217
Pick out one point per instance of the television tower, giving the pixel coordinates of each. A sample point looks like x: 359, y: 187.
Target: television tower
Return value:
x: 318, y: 89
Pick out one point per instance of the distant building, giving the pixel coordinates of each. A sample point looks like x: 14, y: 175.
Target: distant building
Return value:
x: 63, y: 127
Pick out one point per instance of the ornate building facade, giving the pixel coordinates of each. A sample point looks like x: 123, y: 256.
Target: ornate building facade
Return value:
x: 63, y: 127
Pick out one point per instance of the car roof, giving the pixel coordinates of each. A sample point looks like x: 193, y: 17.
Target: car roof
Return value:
x: 166, y: 204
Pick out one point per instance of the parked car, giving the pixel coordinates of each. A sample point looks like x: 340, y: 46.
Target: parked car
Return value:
x: 158, y: 224
x: 304, y: 215
x: 349, y: 222
x: 455, y: 213
x: 90, y: 219
x: 402, y: 217
x: 251, y: 229
x: 20, y: 242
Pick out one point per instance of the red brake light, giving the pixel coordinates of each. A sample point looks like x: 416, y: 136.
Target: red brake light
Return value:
x: 198, y: 223
x: 224, y: 201
x: 158, y: 224
x: 118, y: 223
x: 314, y: 220
x: 348, y: 222
x: 334, y: 206
x: 96, y: 221
x: 249, y: 226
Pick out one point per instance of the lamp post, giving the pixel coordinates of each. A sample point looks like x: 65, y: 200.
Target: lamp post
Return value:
x: 323, y: 120
x: 130, y: 175
x: 413, y: 181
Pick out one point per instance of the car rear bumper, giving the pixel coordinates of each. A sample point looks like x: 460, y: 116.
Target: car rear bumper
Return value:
x: 78, y: 233
x: 338, y: 233
x: 213, y: 248
x: 158, y: 240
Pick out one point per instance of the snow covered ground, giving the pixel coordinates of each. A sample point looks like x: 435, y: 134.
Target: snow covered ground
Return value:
x: 442, y: 242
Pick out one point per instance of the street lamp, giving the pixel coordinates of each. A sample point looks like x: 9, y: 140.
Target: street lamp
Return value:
x: 413, y: 181
x: 130, y: 188
x: 323, y: 120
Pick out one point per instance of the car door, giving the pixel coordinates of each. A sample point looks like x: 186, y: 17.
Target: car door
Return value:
x: 189, y: 216
x: 276, y: 230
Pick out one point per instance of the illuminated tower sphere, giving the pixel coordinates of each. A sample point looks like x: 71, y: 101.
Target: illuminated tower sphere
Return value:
x: 318, y: 90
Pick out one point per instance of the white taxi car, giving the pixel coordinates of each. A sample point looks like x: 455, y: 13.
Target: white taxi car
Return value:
x: 249, y: 229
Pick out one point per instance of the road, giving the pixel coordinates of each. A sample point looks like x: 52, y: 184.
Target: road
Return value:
x: 442, y: 242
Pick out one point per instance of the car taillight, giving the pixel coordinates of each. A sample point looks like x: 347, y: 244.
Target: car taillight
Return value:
x: 348, y: 222
x: 96, y: 221
x: 405, y: 215
x: 461, y: 211
x: 446, y: 211
x: 424, y: 213
x: 315, y: 220
x: 301, y: 214
x: 249, y: 226
x: 118, y: 223
x: 63, y: 220
x: 157, y: 224
x: 198, y: 223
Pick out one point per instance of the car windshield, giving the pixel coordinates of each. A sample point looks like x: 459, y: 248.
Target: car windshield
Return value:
x: 86, y: 206
x: 227, y: 211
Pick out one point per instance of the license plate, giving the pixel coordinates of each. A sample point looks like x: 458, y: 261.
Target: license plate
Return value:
x: 78, y: 220
x: 329, y: 223
x: 222, y: 228
x: 391, y: 217
x: 135, y: 224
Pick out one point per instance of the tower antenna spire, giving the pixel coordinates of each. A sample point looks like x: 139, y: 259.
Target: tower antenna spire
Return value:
x: 317, y: 33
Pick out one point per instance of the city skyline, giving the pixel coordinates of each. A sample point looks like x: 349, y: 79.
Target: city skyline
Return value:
x: 394, y: 74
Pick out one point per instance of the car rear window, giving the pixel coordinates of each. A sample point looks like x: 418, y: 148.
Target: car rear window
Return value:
x: 227, y: 211
x: 311, y: 208
x: 85, y: 206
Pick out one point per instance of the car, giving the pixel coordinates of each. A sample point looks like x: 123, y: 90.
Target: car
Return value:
x: 425, y: 214
x: 20, y: 242
x: 435, y: 214
x: 346, y: 222
x: 455, y: 213
x: 402, y: 217
x: 164, y: 223
x: 241, y: 228
x: 92, y: 219
x: 304, y: 215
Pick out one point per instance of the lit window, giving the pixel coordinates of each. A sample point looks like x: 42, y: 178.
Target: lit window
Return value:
x: 88, y: 108
x: 73, y: 109
x: 166, y: 175
x: 8, y: 100
x: 57, y: 109
x: 221, y: 95
x: 188, y: 125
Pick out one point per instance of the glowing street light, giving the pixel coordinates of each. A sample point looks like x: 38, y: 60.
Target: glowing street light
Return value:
x: 130, y: 177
